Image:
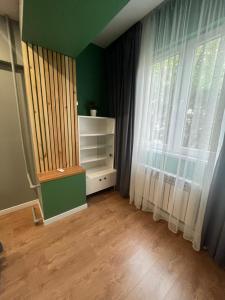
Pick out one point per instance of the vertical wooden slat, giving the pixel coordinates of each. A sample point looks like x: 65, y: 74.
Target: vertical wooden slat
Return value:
x: 50, y: 117
x: 52, y: 92
x: 35, y: 105
x: 61, y: 109
x: 77, y: 162
x: 45, y: 106
x: 30, y: 105
x: 55, y: 75
x: 68, y: 110
x: 52, y: 102
x: 40, y: 106
x: 65, y: 109
x: 72, y: 105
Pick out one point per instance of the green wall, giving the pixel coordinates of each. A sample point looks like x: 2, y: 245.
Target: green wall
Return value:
x: 62, y: 195
x: 91, y: 80
x: 67, y: 26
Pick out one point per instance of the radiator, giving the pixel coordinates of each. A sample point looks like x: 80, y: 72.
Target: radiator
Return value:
x: 166, y: 203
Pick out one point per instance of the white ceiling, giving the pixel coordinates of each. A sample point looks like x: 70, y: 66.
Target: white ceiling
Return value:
x: 134, y: 11
x: 10, y: 8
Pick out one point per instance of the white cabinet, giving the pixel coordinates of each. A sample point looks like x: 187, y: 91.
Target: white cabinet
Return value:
x: 98, y: 183
x: 97, y: 152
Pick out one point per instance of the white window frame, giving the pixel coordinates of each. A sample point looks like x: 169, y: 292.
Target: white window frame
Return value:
x: 182, y: 90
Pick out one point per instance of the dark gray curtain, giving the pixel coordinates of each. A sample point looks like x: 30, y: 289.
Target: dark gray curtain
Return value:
x: 121, y: 59
x: 213, y: 234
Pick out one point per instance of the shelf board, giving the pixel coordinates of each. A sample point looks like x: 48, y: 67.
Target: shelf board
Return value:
x: 56, y: 174
x: 99, y: 171
x: 94, y: 147
x: 95, y: 134
x: 92, y: 159
x: 90, y: 117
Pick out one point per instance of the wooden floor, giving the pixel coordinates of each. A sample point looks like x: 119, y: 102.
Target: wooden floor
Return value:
x: 109, y: 251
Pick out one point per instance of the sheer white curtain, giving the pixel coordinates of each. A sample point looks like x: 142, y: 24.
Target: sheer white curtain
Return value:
x: 180, y: 100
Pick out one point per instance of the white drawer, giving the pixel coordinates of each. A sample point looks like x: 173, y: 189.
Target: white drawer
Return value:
x: 99, y: 183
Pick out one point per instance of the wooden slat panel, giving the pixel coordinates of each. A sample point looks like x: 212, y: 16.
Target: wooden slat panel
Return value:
x: 35, y: 107
x: 51, y: 89
x: 72, y: 105
x: 65, y: 109
x: 55, y: 75
x: 75, y: 113
x: 53, y: 102
x: 45, y: 106
x: 50, y: 117
x: 61, y: 109
x: 30, y: 105
x: 68, y: 110
x: 40, y: 106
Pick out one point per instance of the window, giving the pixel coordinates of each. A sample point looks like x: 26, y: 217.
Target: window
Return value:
x: 203, y: 96
x: 186, y: 109
x: 183, y: 114
x: 164, y: 75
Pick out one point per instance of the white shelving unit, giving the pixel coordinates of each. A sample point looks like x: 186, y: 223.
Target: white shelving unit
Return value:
x: 97, y: 152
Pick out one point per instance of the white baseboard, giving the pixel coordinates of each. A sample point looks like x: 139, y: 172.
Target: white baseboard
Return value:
x: 65, y: 214
x: 18, y: 207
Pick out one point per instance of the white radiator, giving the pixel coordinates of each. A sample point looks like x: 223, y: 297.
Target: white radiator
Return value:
x: 151, y: 192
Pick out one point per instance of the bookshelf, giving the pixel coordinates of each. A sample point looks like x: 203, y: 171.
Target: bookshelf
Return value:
x: 97, y: 136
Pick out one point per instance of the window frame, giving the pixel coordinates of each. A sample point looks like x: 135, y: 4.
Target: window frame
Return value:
x: 182, y: 90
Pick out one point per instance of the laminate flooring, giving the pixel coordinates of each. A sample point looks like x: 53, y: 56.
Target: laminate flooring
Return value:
x: 109, y: 251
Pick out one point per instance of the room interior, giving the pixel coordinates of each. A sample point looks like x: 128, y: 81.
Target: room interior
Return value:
x: 112, y: 131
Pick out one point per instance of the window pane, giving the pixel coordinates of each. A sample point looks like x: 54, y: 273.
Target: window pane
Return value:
x: 206, y: 82
x: 164, y: 78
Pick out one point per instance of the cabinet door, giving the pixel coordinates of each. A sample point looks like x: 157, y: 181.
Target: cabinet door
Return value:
x: 99, y: 183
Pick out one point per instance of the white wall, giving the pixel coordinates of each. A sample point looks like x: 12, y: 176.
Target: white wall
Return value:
x: 14, y: 187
